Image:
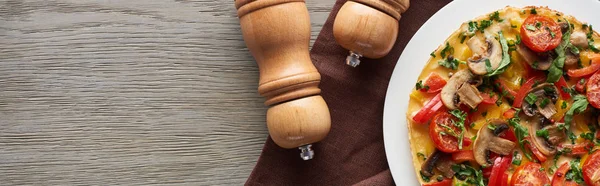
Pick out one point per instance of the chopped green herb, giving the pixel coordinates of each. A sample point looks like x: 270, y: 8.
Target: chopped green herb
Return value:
x: 484, y: 24
x: 531, y: 98
x: 473, y: 26
x: 520, y: 132
x: 422, y: 156
x: 533, y: 11
x: 516, y: 158
x: 462, y: 37
x: 552, y: 34
x: 451, y: 63
x: 447, y: 50
x: 495, y: 16
x: 461, y: 116
x: 426, y: 179
x: 571, y: 136
x: 439, y: 178
x: 518, y: 40
x: 544, y: 102
x: 556, y: 69
x: 579, y: 105
x: 505, y: 62
x: 420, y: 86
x: 433, y: 54
x: 575, y: 173
x: 511, y: 46
x: 513, y: 26
x: 573, y: 49
x: 499, y: 100
x: 564, y: 105
x: 591, y: 40
x: 542, y: 133
x: 558, y: 154
x: 538, y: 24
x: 470, y: 174
x: 491, y: 127
x: 588, y: 136
x: 530, y: 27
x: 488, y: 66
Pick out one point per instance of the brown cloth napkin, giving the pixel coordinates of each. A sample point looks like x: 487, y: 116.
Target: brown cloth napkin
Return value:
x: 353, y: 152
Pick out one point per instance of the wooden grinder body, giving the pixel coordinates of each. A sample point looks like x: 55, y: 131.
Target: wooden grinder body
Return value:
x: 277, y: 33
x: 369, y: 28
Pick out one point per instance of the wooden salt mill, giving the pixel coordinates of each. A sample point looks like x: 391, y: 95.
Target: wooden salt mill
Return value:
x: 368, y: 27
x: 277, y: 33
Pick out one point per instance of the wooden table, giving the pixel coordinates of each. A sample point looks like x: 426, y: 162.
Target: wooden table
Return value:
x: 129, y: 92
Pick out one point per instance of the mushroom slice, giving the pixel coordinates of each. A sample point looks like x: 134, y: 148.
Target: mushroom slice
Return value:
x: 469, y: 95
x: 533, y: 59
x: 548, y: 111
x: 486, y: 141
x: 427, y: 167
x: 490, y: 49
x: 579, y: 39
x: 571, y: 58
x: 547, y: 95
x: 444, y: 165
x: 440, y: 161
x: 555, y: 135
x: 544, y: 145
x: 449, y: 92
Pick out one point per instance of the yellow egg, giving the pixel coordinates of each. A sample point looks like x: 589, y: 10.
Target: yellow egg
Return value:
x: 516, y: 22
x: 418, y: 96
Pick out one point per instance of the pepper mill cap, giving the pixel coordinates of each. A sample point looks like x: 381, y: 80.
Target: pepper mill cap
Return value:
x: 393, y: 8
x: 246, y: 6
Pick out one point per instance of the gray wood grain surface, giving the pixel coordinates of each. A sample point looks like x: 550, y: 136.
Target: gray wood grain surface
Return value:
x: 129, y: 92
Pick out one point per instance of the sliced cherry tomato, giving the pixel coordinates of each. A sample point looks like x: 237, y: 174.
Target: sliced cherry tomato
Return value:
x: 429, y: 109
x: 462, y: 156
x: 501, y: 84
x: 577, y: 149
x: 525, y: 89
x: 580, y: 86
x: 441, y: 136
x: 591, y: 169
x: 435, y: 83
x: 498, y: 170
x: 510, y: 113
x: 538, y: 154
x: 561, y: 84
x: 540, y: 33
x: 560, y: 179
x: 529, y: 175
x: 593, y: 90
x: 487, y: 99
x: 445, y: 182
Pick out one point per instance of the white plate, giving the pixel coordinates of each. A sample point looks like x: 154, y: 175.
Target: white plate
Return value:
x: 416, y: 54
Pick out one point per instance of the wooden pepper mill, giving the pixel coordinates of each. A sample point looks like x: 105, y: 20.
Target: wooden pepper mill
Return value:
x: 277, y: 33
x: 368, y: 27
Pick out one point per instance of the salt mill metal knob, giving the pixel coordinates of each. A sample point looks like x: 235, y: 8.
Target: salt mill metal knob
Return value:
x: 277, y: 33
x: 368, y: 28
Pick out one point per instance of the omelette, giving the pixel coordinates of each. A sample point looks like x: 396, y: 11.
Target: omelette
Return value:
x: 510, y: 98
